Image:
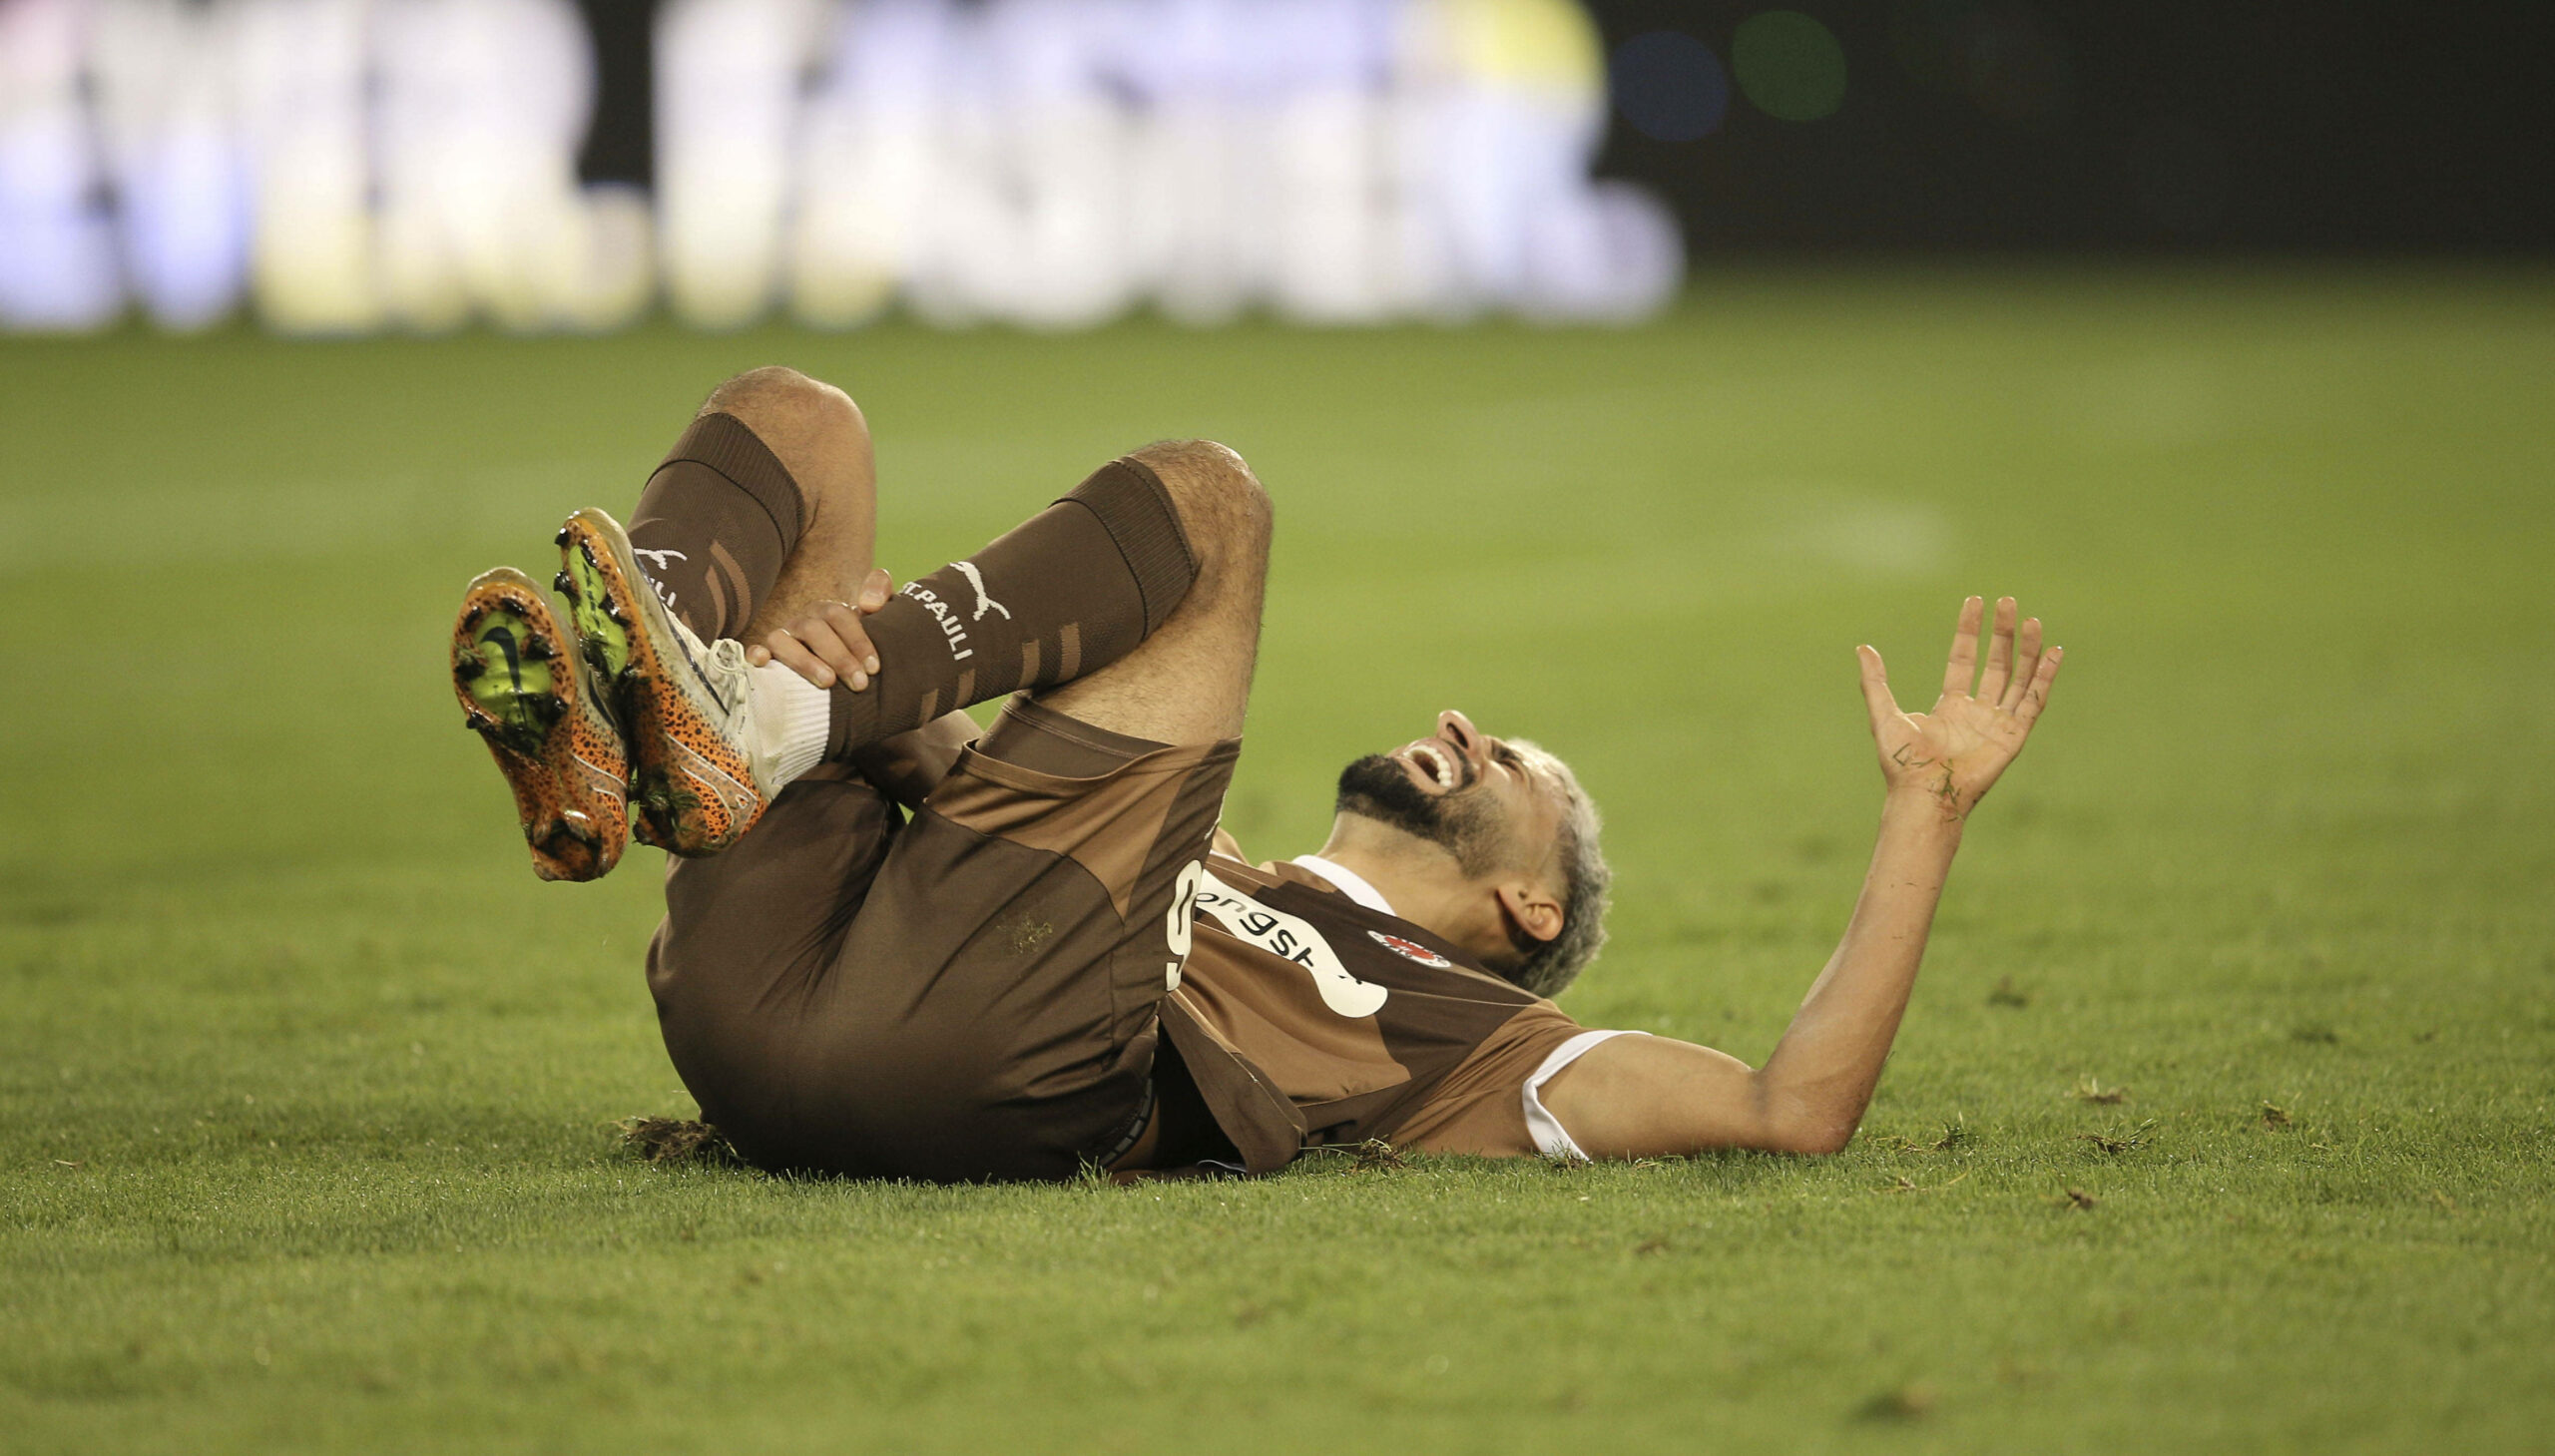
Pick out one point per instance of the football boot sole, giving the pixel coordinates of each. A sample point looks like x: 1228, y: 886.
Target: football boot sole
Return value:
x: 527, y: 702
x: 692, y: 790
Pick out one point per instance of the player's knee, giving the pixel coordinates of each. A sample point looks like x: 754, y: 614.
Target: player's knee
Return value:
x: 1222, y: 505
x: 781, y: 404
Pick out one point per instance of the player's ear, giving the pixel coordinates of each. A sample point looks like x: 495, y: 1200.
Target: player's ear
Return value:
x: 1530, y: 907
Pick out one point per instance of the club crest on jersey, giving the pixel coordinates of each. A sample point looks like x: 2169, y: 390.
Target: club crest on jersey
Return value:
x: 1410, y: 950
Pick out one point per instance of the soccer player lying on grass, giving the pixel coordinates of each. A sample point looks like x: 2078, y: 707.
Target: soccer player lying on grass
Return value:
x: 895, y: 947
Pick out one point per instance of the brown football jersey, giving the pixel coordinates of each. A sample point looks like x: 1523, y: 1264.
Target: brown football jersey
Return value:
x: 1308, y: 1019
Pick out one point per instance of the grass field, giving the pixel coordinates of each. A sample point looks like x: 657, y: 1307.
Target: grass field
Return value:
x: 305, y: 1084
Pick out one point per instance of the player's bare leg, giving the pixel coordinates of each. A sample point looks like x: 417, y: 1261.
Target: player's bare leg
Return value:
x: 1063, y: 596
x: 766, y: 508
x: 1172, y: 584
x: 1189, y: 681
x: 820, y: 437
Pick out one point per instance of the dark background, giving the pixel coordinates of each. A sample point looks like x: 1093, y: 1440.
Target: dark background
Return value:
x: 2177, y: 126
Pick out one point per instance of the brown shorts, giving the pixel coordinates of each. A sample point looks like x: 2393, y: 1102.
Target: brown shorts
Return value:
x: 968, y: 996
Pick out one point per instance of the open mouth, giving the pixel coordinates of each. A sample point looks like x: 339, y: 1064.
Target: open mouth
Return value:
x: 1435, y: 765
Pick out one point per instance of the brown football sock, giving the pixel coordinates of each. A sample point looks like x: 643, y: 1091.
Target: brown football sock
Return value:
x: 1071, y: 589
x: 715, y: 524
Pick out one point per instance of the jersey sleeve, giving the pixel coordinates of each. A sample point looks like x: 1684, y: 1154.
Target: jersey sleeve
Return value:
x: 1481, y: 1106
x: 1544, y: 1130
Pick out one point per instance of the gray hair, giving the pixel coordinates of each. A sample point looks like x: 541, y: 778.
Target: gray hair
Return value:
x: 1548, y: 967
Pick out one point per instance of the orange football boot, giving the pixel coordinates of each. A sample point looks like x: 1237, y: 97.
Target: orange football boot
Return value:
x: 547, y: 727
x: 696, y: 783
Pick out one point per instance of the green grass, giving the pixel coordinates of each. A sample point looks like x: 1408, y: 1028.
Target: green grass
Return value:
x: 306, y: 1082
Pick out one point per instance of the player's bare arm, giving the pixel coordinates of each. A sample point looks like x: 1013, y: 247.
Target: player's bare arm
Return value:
x: 1639, y: 1097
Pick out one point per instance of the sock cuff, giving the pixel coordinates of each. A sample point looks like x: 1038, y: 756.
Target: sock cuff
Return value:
x: 724, y: 444
x: 792, y: 718
x: 1135, y: 507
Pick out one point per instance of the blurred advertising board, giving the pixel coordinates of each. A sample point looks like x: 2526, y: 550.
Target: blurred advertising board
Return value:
x: 344, y: 167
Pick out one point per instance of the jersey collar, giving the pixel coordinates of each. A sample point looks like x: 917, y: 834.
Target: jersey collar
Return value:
x: 1347, y: 881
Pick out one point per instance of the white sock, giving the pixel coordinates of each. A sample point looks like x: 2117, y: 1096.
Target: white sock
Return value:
x: 790, y: 715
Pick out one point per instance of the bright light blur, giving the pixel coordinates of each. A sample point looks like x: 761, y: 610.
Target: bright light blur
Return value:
x: 351, y: 166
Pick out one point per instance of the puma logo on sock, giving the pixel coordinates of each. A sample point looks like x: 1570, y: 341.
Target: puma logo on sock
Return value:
x: 984, y: 603
x: 657, y: 559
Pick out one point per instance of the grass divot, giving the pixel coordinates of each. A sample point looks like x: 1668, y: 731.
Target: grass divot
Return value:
x: 2114, y: 1144
x: 678, y: 1142
x: 1377, y: 1156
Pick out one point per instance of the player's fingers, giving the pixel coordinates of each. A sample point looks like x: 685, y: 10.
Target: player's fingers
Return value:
x: 1876, y: 687
x: 824, y: 637
x: 2026, y: 663
x: 2036, y: 696
x: 862, y: 658
x: 757, y: 654
x: 876, y: 590
x: 2000, y: 651
x: 792, y: 653
x: 1963, y: 667
x: 819, y: 632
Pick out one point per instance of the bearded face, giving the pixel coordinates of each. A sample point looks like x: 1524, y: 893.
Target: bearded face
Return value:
x: 1509, y: 814
x: 1475, y: 796
x: 1462, y: 819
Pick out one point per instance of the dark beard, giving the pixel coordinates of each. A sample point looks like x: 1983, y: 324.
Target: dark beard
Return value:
x: 1379, y: 789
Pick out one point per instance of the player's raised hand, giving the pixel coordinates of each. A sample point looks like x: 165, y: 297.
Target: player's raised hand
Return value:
x: 1955, y: 753
x: 830, y: 645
